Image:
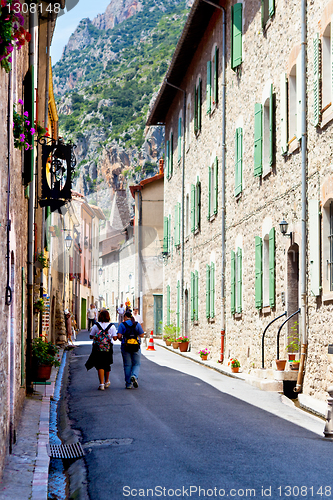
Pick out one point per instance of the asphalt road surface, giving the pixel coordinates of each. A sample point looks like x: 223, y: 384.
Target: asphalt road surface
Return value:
x: 177, y: 436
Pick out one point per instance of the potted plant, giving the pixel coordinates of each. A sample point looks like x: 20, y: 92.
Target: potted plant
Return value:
x: 42, y: 261
x: 44, y: 355
x: 203, y: 353
x: 170, y: 332
x: 294, y: 365
x: 183, y: 343
x: 280, y: 364
x: 235, y: 365
x: 293, y: 346
x: 39, y: 306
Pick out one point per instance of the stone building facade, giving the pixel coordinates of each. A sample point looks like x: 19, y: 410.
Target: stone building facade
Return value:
x: 234, y: 167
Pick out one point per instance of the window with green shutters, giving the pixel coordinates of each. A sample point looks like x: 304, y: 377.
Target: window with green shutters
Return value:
x: 258, y: 272
x: 264, y: 135
x: 265, y: 270
x: 267, y: 11
x: 194, y: 295
x: 238, y: 161
x: 272, y: 267
x: 166, y: 235
x: 207, y: 291
x: 195, y: 206
x: 257, y: 139
x: 236, y: 281
x: 167, y: 159
x: 233, y: 283
x: 179, y: 138
x: 236, y: 35
x: 215, y: 76
x: 239, y: 276
x: 209, y: 87
x: 178, y: 304
x: 168, y: 305
x: 177, y: 224
x: 212, y: 189
x: 284, y: 113
x: 210, y: 290
x: 316, y: 80
x: 197, y: 107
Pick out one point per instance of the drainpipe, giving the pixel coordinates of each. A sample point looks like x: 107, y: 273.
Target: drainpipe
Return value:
x: 299, y: 383
x: 139, y: 251
x: 182, y: 321
x: 223, y: 210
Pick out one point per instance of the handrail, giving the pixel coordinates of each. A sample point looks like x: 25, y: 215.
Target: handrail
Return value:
x: 263, y: 337
x: 278, y: 335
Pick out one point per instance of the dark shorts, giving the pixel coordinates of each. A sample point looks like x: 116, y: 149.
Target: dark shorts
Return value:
x: 100, y: 360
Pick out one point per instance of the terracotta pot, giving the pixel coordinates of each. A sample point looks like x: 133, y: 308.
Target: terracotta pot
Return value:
x: 294, y: 366
x: 291, y: 357
x: 204, y: 358
x: 168, y: 342
x: 235, y: 369
x: 280, y: 364
x: 183, y: 346
x: 44, y: 372
x: 175, y: 345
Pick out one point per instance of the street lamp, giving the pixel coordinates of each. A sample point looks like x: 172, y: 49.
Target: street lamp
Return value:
x: 284, y: 228
x: 100, y: 271
x: 68, y: 241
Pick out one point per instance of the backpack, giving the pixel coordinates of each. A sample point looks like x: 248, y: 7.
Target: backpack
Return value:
x: 101, y: 339
x: 131, y: 342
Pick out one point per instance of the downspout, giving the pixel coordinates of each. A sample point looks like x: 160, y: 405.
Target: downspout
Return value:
x: 304, y: 335
x: 182, y: 321
x: 223, y: 209
x: 139, y: 252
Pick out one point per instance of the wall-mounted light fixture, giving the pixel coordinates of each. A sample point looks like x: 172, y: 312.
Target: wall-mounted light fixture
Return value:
x: 284, y: 228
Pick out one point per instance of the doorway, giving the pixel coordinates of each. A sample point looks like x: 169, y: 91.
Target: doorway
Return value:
x: 158, y: 314
x: 83, y: 314
x: 293, y: 288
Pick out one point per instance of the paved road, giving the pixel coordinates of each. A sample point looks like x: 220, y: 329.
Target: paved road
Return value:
x: 178, y: 433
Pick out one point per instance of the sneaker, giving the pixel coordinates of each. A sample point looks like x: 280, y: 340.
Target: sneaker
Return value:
x: 101, y: 387
x: 134, y: 381
x: 107, y: 384
x: 128, y: 386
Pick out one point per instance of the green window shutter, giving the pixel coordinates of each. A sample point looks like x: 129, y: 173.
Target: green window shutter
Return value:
x: 215, y: 186
x: 167, y: 160
x: 178, y: 304
x: 179, y: 138
x: 284, y: 113
x: 271, y: 7
x: 199, y: 99
x: 272, y: 267
x: 169, y: 234
x: 212, y: 290
x: 236, y: 38
x: 239, y: 280
x: 192, y: 296
x: 168, y: 304
x: 179, y: 223
x: 233, y: 283
x: 165, y: 234
x: 171, y: 156
x: 196, y: 296
x: 195, y: 118
x: 299, y: 96
x: 209, y: 192
x: 192, y: 208
x: 198, y: 204
x: 216, y: 76
x: 314, y: 241
x: 176, y: 226
x: 257, y: 139
x: 238, y: 160
x: 271, y: 127
x: 258, y: 272
x: 207, y: 291
x: 263, y: 14
x: 316, y: 81
x: 209, y: 87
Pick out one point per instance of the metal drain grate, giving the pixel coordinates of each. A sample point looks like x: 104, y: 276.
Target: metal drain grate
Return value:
x: 74, y: 450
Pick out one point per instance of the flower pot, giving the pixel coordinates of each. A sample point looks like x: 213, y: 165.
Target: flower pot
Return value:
x: 204, y: 358
x: 291, y: 357
x: 294, y: 366
x: 44, y: 372
x: 234, y: 369
x: 175, y: 345
x: 280, y: 364
x: 183, y: 346
x: 168, y: 342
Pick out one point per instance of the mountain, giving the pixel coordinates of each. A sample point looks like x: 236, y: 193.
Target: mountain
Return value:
x: 105, y: 81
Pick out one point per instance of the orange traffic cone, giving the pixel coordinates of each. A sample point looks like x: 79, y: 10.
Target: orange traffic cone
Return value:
x: 151, y: 343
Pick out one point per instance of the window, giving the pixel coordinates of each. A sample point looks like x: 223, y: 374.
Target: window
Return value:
x: 195, y: 206
x: 267, y: 11
x: 212, y: 189
x: 180, y: 135
x: 236, y: 281
x: 188, y: 122
x: 314, y: 244
x: 212, y: 82
x: 167, y: 235
x: 187, y: 211
x: 238, y: 161
x: 194, y: 295
x: 210, y: 291
x: 169, y: 156
x: 265, y: 270
x: 328, y: 247
x: 177, y: 224
x: 168, y: 305
x: 291, y: 107
x: 322, y: 65
x: 197, y: 106
x: 178, y: 304
x: 326, y: 67
x: 236, y: 35
x: 263, y: 135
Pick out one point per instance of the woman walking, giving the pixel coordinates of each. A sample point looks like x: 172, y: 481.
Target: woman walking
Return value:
x: 104, y: 333
x: 129, y: 332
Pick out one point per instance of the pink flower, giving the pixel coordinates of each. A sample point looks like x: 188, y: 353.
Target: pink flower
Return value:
x: 32, y: 131
x: 10, y: 59
x: 27, y: 146
x: 9, y: 49
x: 21, y: 102
x: 27, y: 123
x: 22, y: 137
x: 26, y: 114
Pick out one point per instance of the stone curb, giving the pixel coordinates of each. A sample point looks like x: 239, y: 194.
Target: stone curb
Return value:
x: 41, y: 470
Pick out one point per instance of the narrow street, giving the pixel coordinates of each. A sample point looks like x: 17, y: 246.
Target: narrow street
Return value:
x: 177, y: 433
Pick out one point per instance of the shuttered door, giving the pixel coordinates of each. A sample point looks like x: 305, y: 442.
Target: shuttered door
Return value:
x: 239, y: 280
x: 207, y: 291
x: 212, y: 290
x: 233, y: 284
x: 196, y: 296
x: 192, y: 295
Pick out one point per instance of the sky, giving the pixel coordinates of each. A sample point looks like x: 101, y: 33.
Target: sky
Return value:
x: 67, y: 22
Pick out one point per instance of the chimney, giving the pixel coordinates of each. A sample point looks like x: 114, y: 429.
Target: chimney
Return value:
x: 161, y: 165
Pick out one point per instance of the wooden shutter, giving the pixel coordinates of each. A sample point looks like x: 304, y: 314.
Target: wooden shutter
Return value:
x: 167, y: 159
x: 209, y: 87
x: 257, y: 139
x: 212, y: 290
x: 196, y: 296
x: 316, y: 81
x: 165, y: 234
x: 271, y: 7
x: 263, y: 17
x: 209, y: 191
x: 299, y: 96
x: 179, y: 138
x: 207, y: 291
x: 236, y: 40
x: 314, y: 240
x: 233, y: 283
x: 238, y: 160
x: 195, y: 109
x: 271, y: 127
x: 284, y: 113
x: 168, y: 304
x: 192, y: 296
x: 192, y: 208
x: 272, y: 267
x: 179, y: 220
x: 239, y: 280
x: 216, y: 76
x: 178, y: 304
x: 171, y: 155
x: 199, y: 98
x: 176, y: 225
x: 215, y: 194
x: 258, y: 272
x: 197, y: 204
